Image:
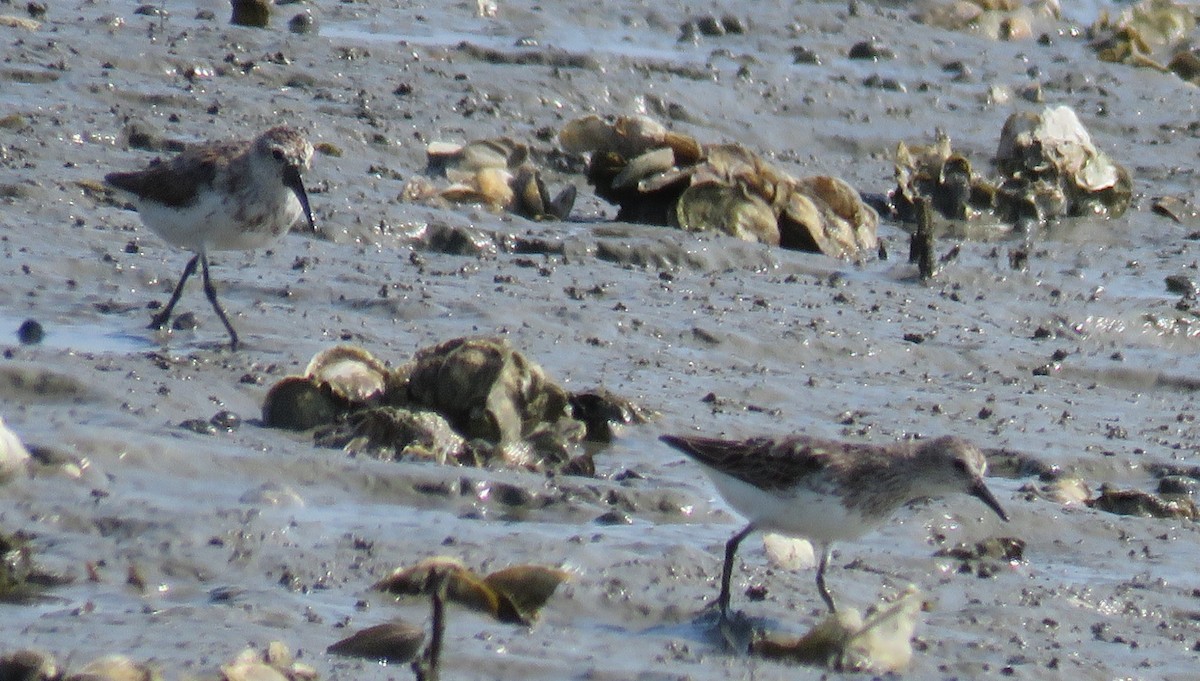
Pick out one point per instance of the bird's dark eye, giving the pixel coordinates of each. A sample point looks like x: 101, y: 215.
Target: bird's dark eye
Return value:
x: 278, y: 154
x: 960, y: 465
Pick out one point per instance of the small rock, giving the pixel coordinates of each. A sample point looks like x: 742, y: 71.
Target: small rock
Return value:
x: 870, y: 50
x: 254, y: 13
x: 302, y: 23
x: 30, y: 332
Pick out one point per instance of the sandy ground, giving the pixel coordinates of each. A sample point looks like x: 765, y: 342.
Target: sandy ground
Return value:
x: 254, y: 535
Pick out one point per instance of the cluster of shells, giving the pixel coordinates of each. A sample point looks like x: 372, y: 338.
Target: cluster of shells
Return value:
x: 496, y: 173
x: 657, y: 176
x: 1049, y: 168
x: 274, y: 663
x: 995, y: 19
x: 1174, y: 498
x: 879, y: 643
x: 1144, y: 504
x: 467, y: 401
x: 1157, y: 34
x: 513, y: 595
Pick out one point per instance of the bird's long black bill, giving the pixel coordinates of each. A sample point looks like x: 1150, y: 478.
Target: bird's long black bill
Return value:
x: 981, y: 492
x: 291, y: 179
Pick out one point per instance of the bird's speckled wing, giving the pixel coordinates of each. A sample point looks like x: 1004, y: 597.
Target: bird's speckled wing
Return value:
x: 766, y: 463
x: 177, y: 182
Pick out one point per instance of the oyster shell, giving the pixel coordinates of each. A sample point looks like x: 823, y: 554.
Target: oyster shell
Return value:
x: 513, y: 595
x: 350, y: 373
x: 392, y: 642
x: 496, y: 173
x: 486, y: 389
x: 727, y: 208
x: 1049, y: 159
x: 662, y: 177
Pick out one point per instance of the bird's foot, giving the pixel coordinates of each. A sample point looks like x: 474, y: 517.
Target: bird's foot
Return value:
x: 737, y: 631
x: 158, y: 321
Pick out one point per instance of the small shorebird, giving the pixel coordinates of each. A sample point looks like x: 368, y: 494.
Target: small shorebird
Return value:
x: 826, y: 490
x: 222, y: 196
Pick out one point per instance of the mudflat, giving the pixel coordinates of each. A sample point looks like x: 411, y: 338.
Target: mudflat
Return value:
x: 1063, y: 344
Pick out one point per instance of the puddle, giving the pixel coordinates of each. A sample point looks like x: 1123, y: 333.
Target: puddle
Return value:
x: 80, y: 337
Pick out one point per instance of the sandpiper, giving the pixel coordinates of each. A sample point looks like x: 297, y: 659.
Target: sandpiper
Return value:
x: 222, y: 196
x: 827, y: 490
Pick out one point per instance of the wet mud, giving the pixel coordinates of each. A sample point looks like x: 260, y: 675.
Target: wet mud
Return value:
x: 180, y: 530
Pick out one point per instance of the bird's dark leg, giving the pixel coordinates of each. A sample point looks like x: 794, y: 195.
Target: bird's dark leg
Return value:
x: 158, y: 320
x: 730, y: 549
x: 826, y: 550
x: 212, y: 298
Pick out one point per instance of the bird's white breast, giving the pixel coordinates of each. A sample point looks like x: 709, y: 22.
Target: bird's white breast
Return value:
x: 802, y: 511
x: 218, y: 221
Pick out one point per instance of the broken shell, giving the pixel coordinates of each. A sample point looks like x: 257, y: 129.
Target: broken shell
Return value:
x: 667, y: 180
x: 500, y: 152
x: 272, y: 664
x: 494, y: 186
x: 1143, y: 504
x: 486, y: 389
x: 1186, y: 65
x: 847, y: 204
x: 21, y: 580
x: 278, y: 655
x: 644, y: 165
x: 512, y: 595
x: 844, y: 642
x: 395, y: 433
x: 728, y: 163
x: 350, y: 372
x: 393, y: 642
x: 527, y: 587
x: 1066, y: 489
x: 251, y: 671
x: 1049, y: 159
x: 463, y: 586
x: 459, y: 161
x: 685, y: 147
x: 1007, y: 549
x: 808, y: 222
x: 729, y: 209
x: 1174, y: 207
x: 418, y: 188
x: 636, y: 134
x: 587, y: 134
x: 800, y: 225
x: 29, y: 665
x: 530, y: 193
x: 114, y: 668
x: 560, y: 207
x: 599, y: 409
x: 533, y: 201
x: 941, y: 175
x: 297, y: 403
x: 789, y: 553
x: 463, y: 193
x: 1140, y: 28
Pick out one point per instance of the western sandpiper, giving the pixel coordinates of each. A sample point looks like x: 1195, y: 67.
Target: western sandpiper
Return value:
x: 222, y: 196
x: 827, y: 490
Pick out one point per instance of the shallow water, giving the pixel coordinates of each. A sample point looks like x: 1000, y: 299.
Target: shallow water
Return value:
x: 254, y: 535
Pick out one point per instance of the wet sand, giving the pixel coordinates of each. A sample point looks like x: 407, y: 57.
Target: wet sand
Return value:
x: 255, y: 535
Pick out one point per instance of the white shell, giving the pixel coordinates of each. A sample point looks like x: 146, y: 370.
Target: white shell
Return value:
x: 14, y: 458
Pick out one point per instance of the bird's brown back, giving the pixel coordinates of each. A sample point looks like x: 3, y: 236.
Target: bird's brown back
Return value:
x: 177, y: 182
